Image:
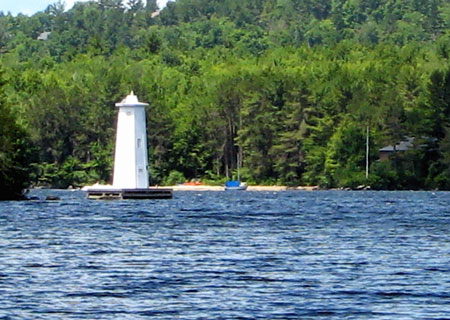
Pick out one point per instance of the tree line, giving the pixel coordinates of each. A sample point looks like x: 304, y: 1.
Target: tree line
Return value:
x: 291, y: 85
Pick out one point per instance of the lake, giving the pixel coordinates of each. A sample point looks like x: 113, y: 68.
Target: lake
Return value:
x: 227, y: 255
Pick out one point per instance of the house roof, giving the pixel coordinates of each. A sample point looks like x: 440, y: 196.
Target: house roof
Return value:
x: 401, y: 146
x: 44, y: 36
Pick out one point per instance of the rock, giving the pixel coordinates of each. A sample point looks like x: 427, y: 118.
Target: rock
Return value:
x: 52, y: 198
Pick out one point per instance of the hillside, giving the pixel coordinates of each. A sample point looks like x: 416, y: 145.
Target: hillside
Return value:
x: 293, y: 84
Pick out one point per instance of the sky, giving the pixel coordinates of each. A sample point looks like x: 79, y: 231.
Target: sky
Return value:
x: 30, y: 7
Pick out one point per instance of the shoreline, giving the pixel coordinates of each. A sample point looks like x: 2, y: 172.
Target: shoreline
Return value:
x: 249, y: 188
x: 191, y: 188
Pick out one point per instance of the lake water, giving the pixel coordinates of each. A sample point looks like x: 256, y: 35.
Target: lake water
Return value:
x: 227, y: 255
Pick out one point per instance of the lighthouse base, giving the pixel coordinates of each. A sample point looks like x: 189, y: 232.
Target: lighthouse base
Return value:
x: 125, y: 194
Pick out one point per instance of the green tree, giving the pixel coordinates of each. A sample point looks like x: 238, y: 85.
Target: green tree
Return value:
x: 438, y: 106
x: 15, y: 152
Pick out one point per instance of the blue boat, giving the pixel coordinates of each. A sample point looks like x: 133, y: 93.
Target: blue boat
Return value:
x: 235, y: 185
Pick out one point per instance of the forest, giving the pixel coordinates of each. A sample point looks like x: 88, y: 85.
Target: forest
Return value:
x: 288, y: 90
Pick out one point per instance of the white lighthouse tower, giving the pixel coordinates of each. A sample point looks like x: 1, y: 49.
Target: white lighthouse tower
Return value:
x: 130, y: 176
x: 131, y: 160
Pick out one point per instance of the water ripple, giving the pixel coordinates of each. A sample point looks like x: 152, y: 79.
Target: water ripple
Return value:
x: 219, y: 255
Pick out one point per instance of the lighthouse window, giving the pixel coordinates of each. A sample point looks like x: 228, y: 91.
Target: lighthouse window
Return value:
x: 128, y: 113
x: 138, y: 143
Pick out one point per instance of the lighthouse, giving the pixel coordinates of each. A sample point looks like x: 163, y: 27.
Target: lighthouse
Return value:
x: 131, y: 160
x: 130, y: 176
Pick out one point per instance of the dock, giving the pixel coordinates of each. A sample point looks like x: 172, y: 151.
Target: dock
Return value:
x: 133, y: 194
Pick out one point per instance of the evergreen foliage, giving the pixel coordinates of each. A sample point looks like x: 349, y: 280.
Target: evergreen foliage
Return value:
x: 14, y: 151
x: 290, y: 85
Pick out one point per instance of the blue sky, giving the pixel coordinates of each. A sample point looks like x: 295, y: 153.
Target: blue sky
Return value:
x: 30, y: 7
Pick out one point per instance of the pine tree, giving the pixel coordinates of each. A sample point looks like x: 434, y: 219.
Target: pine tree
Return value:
x: 14, y: 155
x: 152, y: 6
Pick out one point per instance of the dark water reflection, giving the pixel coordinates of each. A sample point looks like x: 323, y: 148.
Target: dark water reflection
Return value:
x: 238, y: 255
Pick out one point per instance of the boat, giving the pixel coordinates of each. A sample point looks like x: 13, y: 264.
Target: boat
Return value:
x: 193, y: 183
x: 235, y: 185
